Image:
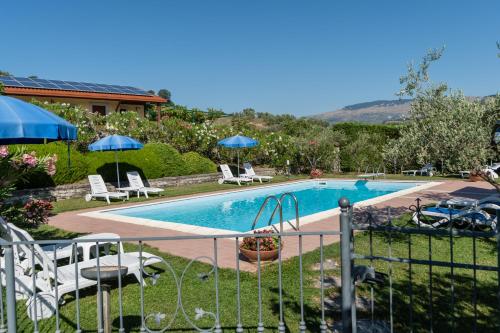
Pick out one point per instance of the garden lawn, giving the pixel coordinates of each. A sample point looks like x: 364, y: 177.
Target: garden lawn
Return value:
x: 200, y: 293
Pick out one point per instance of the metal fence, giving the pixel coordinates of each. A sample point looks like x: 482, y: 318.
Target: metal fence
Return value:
x: 40, y: 277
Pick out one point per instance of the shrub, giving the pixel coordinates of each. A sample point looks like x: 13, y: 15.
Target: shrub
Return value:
x: 37, y: 212
x: 155, y: 160
x: 195, y: 164
x: 78, y: 170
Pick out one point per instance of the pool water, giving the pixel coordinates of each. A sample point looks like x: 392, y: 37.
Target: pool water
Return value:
x: 236, y: 211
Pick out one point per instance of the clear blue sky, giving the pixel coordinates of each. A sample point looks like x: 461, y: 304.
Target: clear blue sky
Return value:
x: 279, y: 56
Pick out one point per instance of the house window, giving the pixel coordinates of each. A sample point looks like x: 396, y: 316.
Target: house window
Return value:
x: 101, y: 109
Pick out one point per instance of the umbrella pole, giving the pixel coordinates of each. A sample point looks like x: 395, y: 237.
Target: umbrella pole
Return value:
x: 69, y: 156
x: 238, y: 154
x: 117, y: 169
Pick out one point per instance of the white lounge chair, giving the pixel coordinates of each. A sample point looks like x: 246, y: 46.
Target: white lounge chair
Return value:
x: 371, y: 175
x: 67, y: 275
x: 250, y: 173
x: 98, y: 189
x: 137, y: 185
x: 426, y: 170
x: 435, y: 217
x: 65, y: 251
x: 227, y: 176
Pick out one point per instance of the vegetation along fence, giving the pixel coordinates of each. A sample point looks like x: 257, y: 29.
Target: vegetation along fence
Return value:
x: 393, y: 277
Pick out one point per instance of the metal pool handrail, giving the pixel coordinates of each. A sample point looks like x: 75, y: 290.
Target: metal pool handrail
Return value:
x: 280, y: 207
x: 264, y: 204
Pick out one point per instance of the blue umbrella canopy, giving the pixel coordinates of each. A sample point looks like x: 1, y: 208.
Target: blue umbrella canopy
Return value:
x: 238, y: 141
x: 116, y: 143
x: 22, y: 122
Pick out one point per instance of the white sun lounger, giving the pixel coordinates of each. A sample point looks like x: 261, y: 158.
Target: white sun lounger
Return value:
x: 250, y: 173
x: 65, y: 251
x: 371, y: 175
x: 137, y: 185
x: 98, y: 189
x: 435, y: 217
x: 67, y: 275
x: 227, y: 176
x: 426, y: 170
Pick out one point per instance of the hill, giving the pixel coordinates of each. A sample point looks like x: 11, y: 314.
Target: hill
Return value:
x: 375, y: 112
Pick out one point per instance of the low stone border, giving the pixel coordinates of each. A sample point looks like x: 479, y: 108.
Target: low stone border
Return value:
x: 79, y: 190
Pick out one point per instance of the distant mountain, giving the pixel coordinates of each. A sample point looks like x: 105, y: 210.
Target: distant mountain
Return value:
x: 375, y: 112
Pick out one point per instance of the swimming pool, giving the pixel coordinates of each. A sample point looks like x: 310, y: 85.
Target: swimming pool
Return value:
x: 235, y: 211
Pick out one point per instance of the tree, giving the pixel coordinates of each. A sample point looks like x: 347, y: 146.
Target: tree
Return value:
x: 248, y: 113
x: 444, y: 128
x: 164, y: 93
x: 1, y: 88
x: 33, y: 77
x: 151, y: 92
x: 4, y: 73
x: 413, y: 82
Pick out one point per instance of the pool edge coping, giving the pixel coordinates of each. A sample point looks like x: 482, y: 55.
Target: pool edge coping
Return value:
x: 287, y: 225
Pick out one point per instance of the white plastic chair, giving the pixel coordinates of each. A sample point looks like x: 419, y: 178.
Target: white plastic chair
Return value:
x: 98, y: 189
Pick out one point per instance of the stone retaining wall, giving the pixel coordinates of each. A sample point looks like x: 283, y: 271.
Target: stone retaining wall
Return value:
x: 79, y: 190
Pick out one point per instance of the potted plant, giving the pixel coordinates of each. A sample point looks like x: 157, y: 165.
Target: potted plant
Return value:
x: 268, y: 246
x: 316, y: 173
x: 476, y: 176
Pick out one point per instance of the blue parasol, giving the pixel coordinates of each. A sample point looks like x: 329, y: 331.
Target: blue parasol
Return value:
x: 22, y: 122
x: 116, y: 143
x: 238, y: 141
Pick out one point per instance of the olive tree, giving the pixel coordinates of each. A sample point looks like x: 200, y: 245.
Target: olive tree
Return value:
x: 444, y: 126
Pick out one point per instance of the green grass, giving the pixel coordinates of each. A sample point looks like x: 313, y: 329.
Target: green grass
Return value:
x: 197, y: 293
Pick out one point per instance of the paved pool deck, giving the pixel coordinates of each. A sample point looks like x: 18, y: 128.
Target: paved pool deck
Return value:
x: 191, y: 249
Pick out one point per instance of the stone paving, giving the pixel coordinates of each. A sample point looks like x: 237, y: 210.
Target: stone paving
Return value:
x: 226, y: 253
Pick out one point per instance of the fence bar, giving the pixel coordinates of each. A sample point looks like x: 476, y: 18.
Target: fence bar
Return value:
x: 474, y: 258
x: 120, y: 297
x: 452, y: 275
x: 239, y: 326
x: 56, y: 289
x: 77, y: 291
x: 35, y: 295
x: 345, y: 242
x: 216, y: 274
x: 426, y: 231
x: 10, y: 295
x: 322, y: 325
x: 391, y: 316
x: 260, y: 326
x: 281, y: 324
x: 410, y: 278
x: 141, y: 282
x: 302, y: 324
x: 430, y: 287
x: 372, y: 295
x: 429, y: 262
x: 100, y: 313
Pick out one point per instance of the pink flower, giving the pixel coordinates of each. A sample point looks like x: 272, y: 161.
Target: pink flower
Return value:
x: 4, y: 151
x: 30, y: 160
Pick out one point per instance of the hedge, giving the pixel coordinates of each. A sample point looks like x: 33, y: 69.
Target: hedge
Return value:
x: 155, y: 160
x: 196, y: 164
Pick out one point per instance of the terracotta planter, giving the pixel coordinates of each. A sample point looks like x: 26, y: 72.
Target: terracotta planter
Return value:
x: 475, y: 178
x: 264, y: 255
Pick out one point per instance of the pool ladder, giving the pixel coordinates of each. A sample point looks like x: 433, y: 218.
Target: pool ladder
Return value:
x: 278, y: 208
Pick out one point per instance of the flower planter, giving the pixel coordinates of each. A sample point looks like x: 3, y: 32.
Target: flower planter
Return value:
x: 475, y: 178
x: 264, y: 255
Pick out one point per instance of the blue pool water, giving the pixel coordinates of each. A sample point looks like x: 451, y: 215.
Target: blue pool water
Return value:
x: 236, y: 211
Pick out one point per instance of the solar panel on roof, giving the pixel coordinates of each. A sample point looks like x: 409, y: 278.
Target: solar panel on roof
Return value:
x: 24, y: 82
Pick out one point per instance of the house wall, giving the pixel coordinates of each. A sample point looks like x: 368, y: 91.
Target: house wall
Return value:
x: 111, y: 106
